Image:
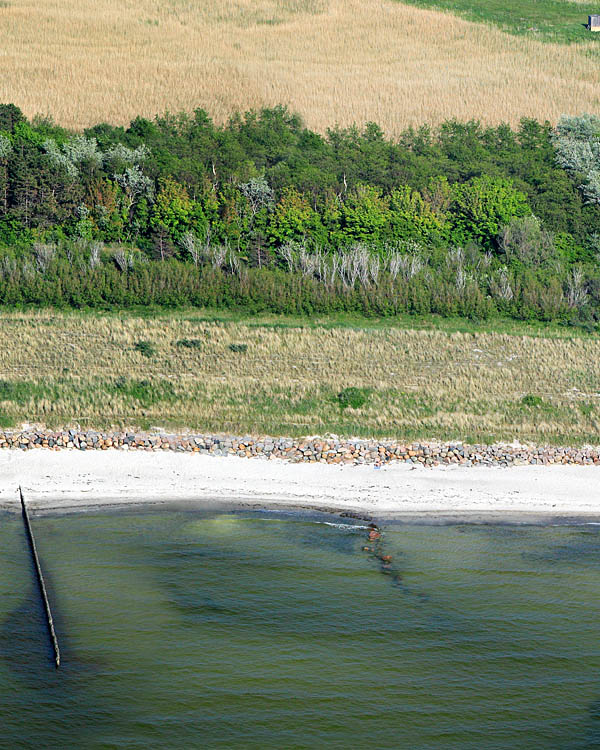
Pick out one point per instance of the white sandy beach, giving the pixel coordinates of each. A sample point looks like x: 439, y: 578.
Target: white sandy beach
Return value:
x: 72, y: 479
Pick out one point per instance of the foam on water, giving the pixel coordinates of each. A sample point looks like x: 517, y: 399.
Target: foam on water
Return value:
x: 344, y: 526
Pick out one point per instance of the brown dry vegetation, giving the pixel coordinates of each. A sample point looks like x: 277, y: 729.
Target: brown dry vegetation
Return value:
x: 65, y: 369
x: 333, y: 61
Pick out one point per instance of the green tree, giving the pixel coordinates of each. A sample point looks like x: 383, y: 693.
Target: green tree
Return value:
x: 482, y: 206
x: 172, y: 210
x: 10, y: 115
x: 413, y: 217
x: 365, y: 214
x: 294, y: 219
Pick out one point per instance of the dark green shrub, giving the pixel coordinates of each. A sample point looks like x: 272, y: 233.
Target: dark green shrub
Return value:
x: 145, y: 348
x: 189, y: 343
x: 531, y: 400
x: 354, y: 397
x: 241, y: 348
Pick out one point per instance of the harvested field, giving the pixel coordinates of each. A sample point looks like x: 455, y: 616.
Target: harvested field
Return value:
x: 333, y: 61
x: 181, y: 371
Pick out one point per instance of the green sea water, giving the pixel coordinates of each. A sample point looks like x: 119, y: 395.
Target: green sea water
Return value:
x: 252, y: 630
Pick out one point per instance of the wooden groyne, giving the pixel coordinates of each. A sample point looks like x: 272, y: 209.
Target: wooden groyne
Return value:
x: 40, y: 579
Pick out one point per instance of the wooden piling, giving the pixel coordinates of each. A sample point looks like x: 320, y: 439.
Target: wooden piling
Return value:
x: 40, y: 579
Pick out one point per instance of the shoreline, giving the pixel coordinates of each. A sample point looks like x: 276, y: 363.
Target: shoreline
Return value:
x: 73, y: 481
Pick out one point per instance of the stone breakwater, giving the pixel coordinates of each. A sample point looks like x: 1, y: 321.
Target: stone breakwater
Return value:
x: 313, y: 450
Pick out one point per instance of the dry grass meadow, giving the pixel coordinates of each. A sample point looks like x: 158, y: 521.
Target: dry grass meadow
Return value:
x: 333, y: 61
x: 60, y: 370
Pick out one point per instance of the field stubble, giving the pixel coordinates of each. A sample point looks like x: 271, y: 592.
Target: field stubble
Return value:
x: 61, y: 369
x: 333, y: 61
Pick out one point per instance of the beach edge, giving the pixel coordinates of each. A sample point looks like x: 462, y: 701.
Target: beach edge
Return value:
x: 70, y: 481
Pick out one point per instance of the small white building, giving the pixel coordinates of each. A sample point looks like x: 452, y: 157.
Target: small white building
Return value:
x: 593, y: 23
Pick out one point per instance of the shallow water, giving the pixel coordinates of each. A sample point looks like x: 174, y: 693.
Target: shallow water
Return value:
x: 249, y: 630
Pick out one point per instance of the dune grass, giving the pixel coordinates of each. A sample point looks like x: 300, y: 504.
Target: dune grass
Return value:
x: 333, y: 61
x: 263, y: 377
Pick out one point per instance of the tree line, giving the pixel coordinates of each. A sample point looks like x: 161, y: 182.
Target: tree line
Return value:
x: 263, y: 214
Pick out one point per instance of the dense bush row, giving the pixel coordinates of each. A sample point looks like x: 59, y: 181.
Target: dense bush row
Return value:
x: 264, y: 214
x: 456, y: 289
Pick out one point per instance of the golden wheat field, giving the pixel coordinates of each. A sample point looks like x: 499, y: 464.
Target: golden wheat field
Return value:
x: 181, y: 372
x: 333, y: 61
